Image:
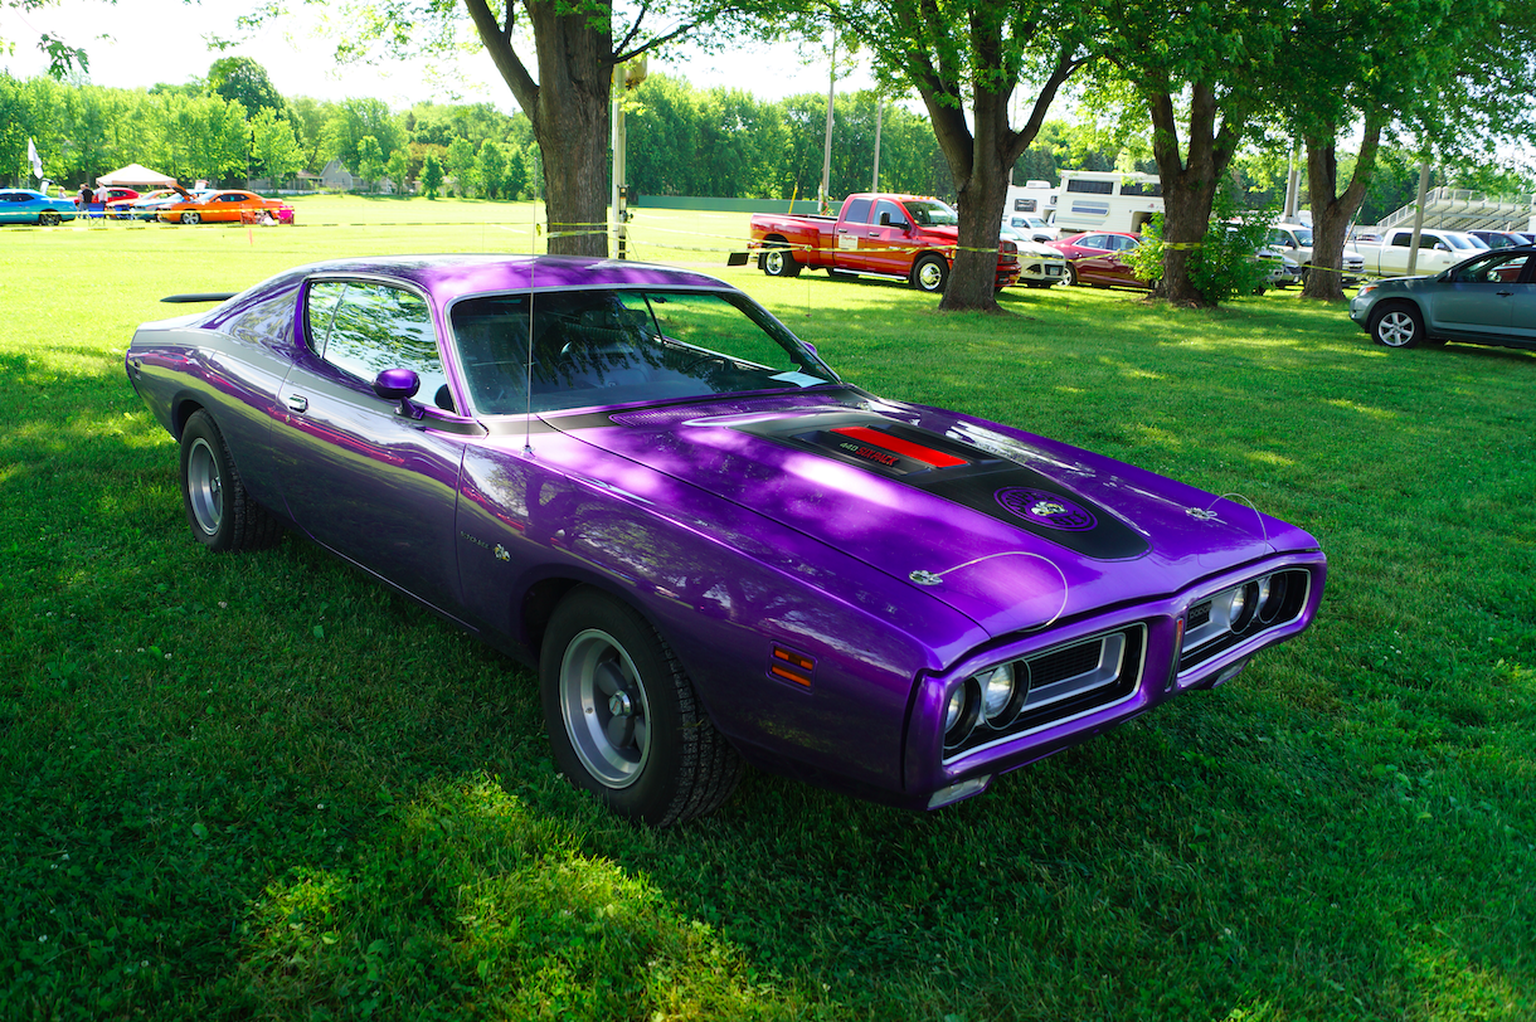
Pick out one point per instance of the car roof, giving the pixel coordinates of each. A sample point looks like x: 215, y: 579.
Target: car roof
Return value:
x: 450, y: 276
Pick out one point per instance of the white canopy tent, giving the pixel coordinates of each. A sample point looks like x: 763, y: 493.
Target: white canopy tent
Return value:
x: 135, y: 176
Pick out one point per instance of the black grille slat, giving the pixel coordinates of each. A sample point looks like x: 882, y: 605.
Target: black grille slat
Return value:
x: 1066, y: 663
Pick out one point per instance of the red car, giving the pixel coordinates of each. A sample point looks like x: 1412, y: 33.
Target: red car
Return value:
x: 1098, y: 258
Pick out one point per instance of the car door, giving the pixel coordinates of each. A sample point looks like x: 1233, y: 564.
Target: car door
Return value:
x: 1097, y: 265
x: 853, y: 241
x: 1522, y: 304
x: 372, y: 482
x: 12, y: 210
x: 888, y: 245
x: 227, y: 208
x: 1479, y: 298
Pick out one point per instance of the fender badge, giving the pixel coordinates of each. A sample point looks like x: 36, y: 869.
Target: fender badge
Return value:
x: 502, y: 553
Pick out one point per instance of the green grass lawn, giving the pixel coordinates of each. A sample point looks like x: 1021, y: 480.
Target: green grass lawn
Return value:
x: 260, y: 787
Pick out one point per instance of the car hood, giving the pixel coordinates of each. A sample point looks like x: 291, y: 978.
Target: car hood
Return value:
x: 1010, y: 529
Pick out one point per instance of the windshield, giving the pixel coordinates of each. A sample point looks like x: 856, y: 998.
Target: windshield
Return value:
x: 931, y: 213
x: 607, y: 347
x: 1457, y: 241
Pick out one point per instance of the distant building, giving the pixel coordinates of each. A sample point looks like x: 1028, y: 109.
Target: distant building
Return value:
x: 336, y: 177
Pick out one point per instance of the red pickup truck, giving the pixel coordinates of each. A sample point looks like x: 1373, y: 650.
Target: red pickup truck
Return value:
x: 878, y: 233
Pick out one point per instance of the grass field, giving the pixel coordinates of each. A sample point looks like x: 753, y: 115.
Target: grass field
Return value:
x: 259, y: 787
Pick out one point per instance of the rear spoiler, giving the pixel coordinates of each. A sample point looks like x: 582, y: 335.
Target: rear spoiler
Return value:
x: 205, y: 296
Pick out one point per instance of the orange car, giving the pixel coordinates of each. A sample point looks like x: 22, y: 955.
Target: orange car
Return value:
x: 225, y: 207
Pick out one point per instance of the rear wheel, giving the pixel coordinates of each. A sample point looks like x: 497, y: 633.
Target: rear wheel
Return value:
x: 48, y: 218
x: 930, y: 273
x: 623, y: 719
x: 1397, y: 325
x: 222, y: 514
x: 779, y: 261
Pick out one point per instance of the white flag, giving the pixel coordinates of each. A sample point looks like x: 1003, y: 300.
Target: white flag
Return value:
x: 34, y: 159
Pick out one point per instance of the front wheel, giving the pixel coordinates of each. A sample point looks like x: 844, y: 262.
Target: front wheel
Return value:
x: 48, y: 219
x: 931, y: 274
x: 1397, y: 325
x: 623, y: 719
x: 222, y: 514
x: 190, y: 218
x: 1069, y: 278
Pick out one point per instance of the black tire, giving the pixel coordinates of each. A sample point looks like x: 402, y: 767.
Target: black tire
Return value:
x: 931, y: 274
x: 779, y: 261
x: 191, y: 218
x: 1397, y: 325
x: 222, y: 514
x: 1070, y: 277
x: 623, y: 719
x: 48, y: 218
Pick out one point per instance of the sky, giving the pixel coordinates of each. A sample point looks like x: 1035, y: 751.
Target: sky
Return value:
x: 152, y: 41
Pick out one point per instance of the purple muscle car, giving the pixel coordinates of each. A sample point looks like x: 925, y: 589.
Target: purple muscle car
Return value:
x: 713, y: 549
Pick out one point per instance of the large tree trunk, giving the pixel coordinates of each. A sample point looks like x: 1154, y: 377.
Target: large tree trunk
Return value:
x: 1189, y: 185
x: 1332, y: 212
x: 567, y: 109
x: 981, y: 185
x: 980, y: 161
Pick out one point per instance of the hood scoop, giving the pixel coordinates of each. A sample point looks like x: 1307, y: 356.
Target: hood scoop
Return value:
x: 962, y: 474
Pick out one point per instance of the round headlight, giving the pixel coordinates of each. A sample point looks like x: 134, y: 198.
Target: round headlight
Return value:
x: 954, y: 709
x: 1273, y: 597
x: 1245, y: 601
x: 996, y: 692
x: 960, y: 712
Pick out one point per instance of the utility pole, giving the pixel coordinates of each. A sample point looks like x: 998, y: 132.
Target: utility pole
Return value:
x: 826, y: 159
x: 1418, y: 218
x: 879, y: 109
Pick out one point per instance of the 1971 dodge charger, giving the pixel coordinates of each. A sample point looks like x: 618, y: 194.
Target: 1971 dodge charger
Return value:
x: 712, y: 548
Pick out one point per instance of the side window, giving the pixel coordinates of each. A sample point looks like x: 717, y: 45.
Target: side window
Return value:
x: 267, y: 323
x: 858, y: 211
x: 889, y: 213
x: 365, y: 328
x: 1402, y: 239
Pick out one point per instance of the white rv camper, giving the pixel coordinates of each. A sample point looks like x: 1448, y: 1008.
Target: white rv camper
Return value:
x: 1090, y: 200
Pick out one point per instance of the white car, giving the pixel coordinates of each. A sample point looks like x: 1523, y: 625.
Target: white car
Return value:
x: 1295, y: 242
x: 1040, y: 265
x: 1031, y: 228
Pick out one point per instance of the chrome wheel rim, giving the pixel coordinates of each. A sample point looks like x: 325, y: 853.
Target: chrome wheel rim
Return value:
x: 604, y: 706
x: 773, y: 262
x: 205, y: 490
x: 929, y: 276
x: 1395, y: 329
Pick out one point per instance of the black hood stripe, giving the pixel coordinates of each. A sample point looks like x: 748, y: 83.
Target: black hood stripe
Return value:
x: 958, y: 472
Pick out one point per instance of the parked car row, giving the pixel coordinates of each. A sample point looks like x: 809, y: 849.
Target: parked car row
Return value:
x: 174, y: 205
